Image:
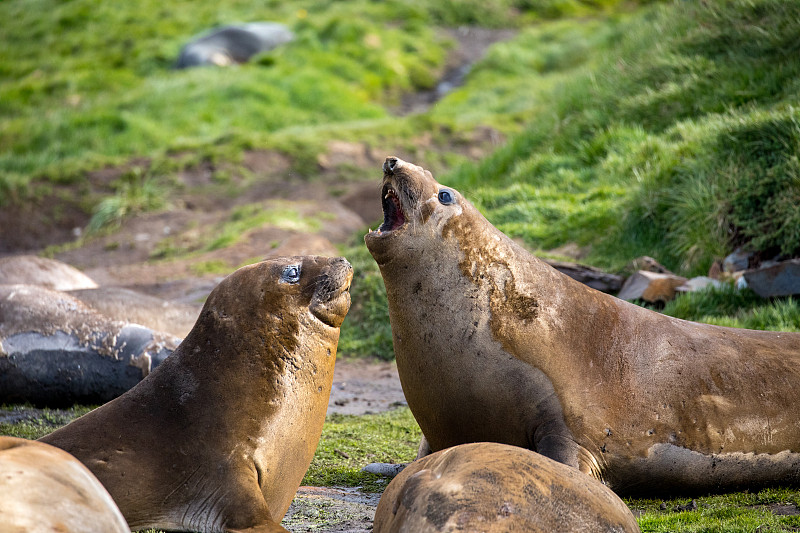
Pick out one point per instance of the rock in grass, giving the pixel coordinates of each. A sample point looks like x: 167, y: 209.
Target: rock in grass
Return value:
x: 738, y: 260
x: 651, y: 287
x: 782, y: 279
x: 384, y: 469
x: 698, y: 284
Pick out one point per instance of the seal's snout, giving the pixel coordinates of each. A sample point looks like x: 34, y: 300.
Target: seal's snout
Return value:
x: 390, y: 164
x: 331, y: 299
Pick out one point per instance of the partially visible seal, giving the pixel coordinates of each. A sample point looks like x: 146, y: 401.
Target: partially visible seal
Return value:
x: 49, y: 273
x: 233, y: 44
x: 496, y: 488
x: 126, y: 305
x: 494, y: 345
x: 55, y: 351
x: 219, y: 436
x: 43, y: 488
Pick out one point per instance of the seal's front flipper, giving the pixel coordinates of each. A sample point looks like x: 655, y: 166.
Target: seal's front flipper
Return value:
x: 565, y: 450
x: 424, y: 448
x: 268, y: 527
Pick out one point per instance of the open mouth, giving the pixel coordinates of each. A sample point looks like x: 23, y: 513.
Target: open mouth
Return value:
x: 393, y: 216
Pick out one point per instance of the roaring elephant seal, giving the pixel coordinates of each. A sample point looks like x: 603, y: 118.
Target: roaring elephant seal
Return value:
x: 497, y: 488
x: 43, y: 489
x: 56, y: 351
x: 492, y: 344
x: 218, y: 437
x: 49, y: 273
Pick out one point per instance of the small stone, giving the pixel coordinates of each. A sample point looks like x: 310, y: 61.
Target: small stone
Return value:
x: 651, y: 287
x: 738, y: 260
x: 697, y: 284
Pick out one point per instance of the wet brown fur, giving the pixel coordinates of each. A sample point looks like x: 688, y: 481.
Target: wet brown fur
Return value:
x: 494, y: 345
x: 219, y: 436
x: 492, y: 487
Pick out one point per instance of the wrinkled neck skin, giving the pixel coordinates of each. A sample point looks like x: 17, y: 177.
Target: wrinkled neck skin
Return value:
x: 494, y: 345
x: 441, y: 276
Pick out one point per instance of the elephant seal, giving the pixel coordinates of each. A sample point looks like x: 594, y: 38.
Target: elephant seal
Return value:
x: 497, y: 488
x: 218, y: 437
x: 55, y: 351
x: 46, y: 489
x: 494, y: 345
x: 233, y: 44
x: 49, y: 273
x: 126, y: 305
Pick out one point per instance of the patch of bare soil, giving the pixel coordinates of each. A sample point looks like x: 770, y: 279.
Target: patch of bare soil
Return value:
x: 331, y: 509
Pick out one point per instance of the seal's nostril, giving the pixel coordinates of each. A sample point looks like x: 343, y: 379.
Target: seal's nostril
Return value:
x: 389, y: 165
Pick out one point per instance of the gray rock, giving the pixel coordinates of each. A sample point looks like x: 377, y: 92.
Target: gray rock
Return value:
x: 233, y: 44
x: 698, y: 284
x: 384, y: 469
x: 781, y: 279
x: 651, y: 287
x: 738, y: 260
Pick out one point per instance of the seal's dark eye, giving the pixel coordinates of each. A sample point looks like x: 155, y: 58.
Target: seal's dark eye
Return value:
x: 446, y: 197
x: 291, y: 274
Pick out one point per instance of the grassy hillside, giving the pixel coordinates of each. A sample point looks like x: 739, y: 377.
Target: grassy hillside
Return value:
x: 678, y: 138
x: 672, y: 133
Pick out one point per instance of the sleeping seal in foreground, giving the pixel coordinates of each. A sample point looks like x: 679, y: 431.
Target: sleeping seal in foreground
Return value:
x: 497, y: 488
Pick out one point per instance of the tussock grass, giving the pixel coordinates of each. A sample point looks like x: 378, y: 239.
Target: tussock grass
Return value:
x: 678, y: 128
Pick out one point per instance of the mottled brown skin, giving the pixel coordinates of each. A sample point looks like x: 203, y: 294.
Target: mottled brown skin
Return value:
x: 496, y: 488
x: 43, y: 488
x: 126, y: 305
x: 494, y: 345
x: 49, y: 273
x: 55, y: 351
x: 218, y: 437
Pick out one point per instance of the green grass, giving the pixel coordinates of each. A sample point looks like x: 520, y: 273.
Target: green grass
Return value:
x: 32, y: 423
x: 728, y: 306
x: 671, y: 133
x: 348, y: 443
x: 366, y: 331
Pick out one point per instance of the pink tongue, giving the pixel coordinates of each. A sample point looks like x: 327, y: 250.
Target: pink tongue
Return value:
x: 400, y: 219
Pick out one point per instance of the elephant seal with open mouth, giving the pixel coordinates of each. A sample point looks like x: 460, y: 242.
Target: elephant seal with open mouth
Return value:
x: 492, y: 344
x: 218, y: 437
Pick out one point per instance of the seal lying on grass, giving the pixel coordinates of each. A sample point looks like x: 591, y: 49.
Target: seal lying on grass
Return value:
x: 55, y: 351
x: 492, y: 344
x: 493, y: 487
x: 220, y: 435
